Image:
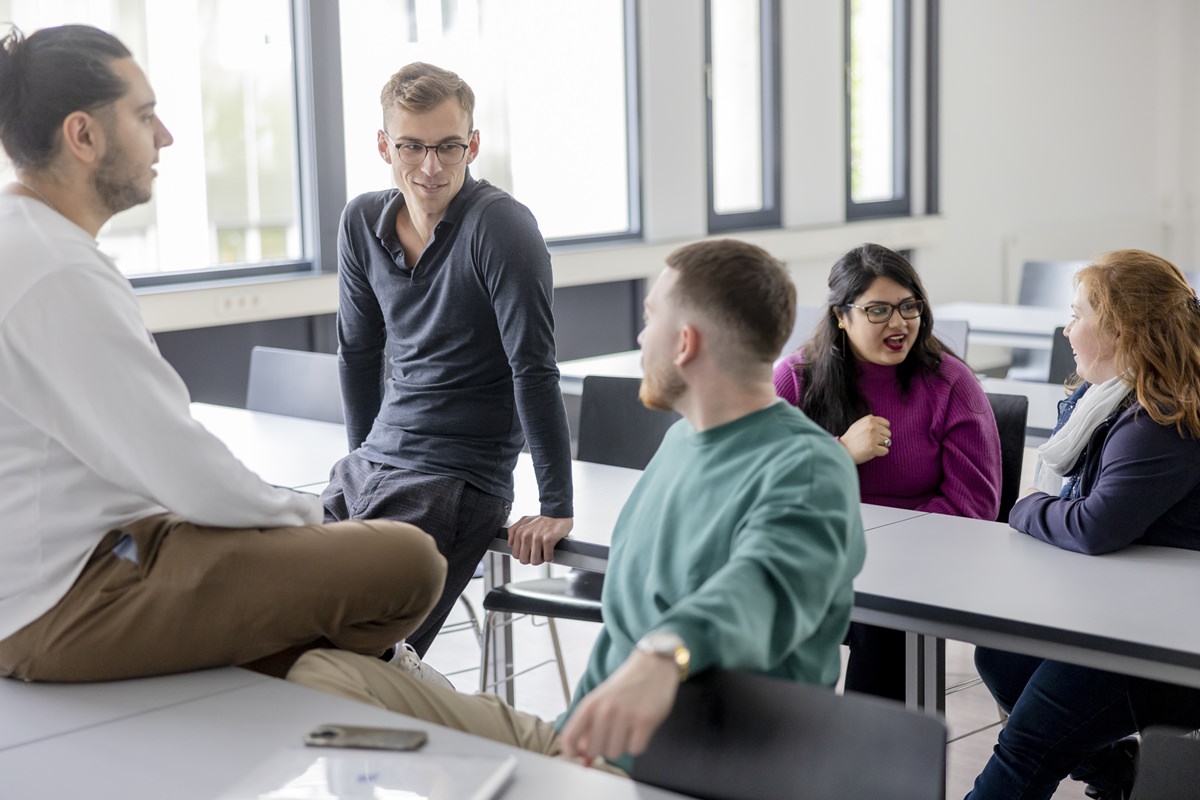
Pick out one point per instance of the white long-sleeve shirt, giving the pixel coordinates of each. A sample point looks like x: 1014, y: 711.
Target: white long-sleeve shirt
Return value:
x: 95, y: 430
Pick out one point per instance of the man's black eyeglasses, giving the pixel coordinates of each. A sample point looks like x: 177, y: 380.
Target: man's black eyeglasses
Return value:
x: 413, y: 153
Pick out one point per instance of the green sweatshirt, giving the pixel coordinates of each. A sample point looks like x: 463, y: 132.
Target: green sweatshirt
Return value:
x: 743, y: 540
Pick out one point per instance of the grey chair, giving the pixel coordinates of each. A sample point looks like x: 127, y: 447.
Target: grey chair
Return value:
x: 294, y: 383
x: 1062, y: 360
x: 1048, y: 284
x: 614, y: 428
x: 739, y: 736
x: 1168, y: 765
x: 297, y: 383
x: 1011, y: 412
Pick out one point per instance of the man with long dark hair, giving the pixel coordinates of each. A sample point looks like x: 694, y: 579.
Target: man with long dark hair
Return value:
x: 134, y: 543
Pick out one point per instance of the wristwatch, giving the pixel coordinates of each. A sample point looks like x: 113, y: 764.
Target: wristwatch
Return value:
x: 665, y: 644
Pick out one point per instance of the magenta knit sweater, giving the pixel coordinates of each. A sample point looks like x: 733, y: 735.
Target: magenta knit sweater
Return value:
x: 945, y: 454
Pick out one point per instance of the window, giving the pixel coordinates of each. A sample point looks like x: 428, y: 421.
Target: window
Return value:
x: 223, y: 72
x: 877, y: 108
x: 554, y: 93
x: 742, y: 76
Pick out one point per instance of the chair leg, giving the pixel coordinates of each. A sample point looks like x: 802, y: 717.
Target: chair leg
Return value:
x: 485, y: 650
x: 469, y: 607
x: 558, y: 657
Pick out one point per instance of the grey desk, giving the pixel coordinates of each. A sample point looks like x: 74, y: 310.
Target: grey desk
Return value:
x: 942, y: 577
x: 1043, y: 397
x: 201, y: 745
x: 1006, y: 325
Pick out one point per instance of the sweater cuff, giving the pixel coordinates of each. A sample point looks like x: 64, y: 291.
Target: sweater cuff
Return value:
x: 558, y: 510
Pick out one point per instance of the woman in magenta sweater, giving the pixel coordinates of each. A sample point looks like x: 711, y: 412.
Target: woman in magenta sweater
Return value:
x: 911, y: 414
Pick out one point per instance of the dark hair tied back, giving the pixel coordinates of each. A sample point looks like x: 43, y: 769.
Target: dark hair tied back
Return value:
x: 48, y: 75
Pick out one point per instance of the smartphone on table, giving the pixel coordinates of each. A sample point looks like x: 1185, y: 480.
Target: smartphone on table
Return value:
x: 365, y: 737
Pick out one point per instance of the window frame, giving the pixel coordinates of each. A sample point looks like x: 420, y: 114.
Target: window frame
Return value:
x: 317, y: 82
x: 900, y: 205
x: 633, y: 145
x: 321, y: 182
x: 770, y: 215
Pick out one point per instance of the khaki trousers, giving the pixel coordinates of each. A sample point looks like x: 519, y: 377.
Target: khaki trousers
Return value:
x: 370, y: 680
x: 163, y: 595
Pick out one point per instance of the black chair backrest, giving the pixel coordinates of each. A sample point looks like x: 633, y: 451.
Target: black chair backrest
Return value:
x: 1011, y: 412
x: 614, y: 427
x: 1168, y: 766
x: 295, y: 383
x: 1062, y: 361
x: 738, y: 736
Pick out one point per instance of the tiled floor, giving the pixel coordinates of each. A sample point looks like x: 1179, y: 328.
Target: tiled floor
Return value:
x: 539, y: 691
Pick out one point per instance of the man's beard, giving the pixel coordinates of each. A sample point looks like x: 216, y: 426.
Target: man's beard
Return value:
x: 114, y: 182
x: 661, y: 388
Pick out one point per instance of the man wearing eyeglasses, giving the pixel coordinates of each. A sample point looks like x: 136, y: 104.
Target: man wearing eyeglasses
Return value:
x: 446, y: 345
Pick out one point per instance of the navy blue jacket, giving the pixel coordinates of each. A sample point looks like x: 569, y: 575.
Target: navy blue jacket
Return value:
x: 1137, y: 482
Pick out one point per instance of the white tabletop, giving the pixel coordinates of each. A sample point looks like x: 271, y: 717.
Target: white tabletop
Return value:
x: 34, y: 711
x: 600, y: 493
x: 1007, y: 325
x: 201, y: 747
x: 1043, y: 397
x: 985, y: 583
x: 285, y: 451
x: 295, y: 452
x: 298, y: 453
x: 626, y: 364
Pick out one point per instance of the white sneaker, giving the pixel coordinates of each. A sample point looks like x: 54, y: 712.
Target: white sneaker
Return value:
x: 406, y: 659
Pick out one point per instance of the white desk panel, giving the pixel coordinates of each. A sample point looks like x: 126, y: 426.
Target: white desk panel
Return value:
x: 626, y: 364
x: 1007, y: 325
x: 285, y: 451
x: 199, y: 749
x: 985, y: 583
x: 1043, y: 397
x: 30, y: 712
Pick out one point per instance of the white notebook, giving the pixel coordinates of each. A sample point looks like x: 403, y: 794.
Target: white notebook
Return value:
x: 328, y: 774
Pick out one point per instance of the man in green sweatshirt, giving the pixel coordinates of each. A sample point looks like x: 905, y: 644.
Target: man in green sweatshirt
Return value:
x: 736, y: 549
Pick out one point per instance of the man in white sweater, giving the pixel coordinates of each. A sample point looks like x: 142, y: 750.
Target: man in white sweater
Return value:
x: 132, y: 542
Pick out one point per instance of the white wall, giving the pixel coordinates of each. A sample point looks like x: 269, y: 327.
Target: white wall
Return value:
x: 1061, y: 137
x: 1067, y: 128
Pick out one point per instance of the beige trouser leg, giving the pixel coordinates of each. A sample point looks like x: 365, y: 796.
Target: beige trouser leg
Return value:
x: 198, y: 597
x: 370, y: 680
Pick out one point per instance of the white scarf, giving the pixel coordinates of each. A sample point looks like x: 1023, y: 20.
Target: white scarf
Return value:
x: 1059, y: 454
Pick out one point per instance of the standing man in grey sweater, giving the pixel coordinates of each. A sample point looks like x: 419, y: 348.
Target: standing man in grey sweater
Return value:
x: 446, y: 345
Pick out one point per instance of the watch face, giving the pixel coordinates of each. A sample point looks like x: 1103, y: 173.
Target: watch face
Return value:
x: 662, y: 642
